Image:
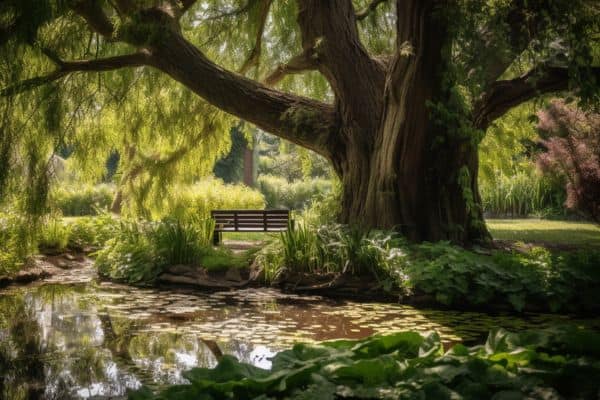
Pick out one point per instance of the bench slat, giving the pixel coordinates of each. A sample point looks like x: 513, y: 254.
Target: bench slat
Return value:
x: 250, y: 221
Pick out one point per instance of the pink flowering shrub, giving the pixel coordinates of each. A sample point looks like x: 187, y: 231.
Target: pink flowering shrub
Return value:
x: 572, y: 153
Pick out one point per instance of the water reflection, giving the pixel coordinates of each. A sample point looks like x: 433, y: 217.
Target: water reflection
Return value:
x: 60, y: 341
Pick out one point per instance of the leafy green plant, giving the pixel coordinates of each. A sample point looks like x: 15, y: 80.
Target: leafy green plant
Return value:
x: 451, y: 275
x: 54, y: 236
x: 178, y: 242
x: 564, y: 363
x: 140, y: 250
x: 92, y: 232
x: 131, y: 255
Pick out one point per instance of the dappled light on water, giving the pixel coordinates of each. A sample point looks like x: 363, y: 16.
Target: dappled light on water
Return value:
x: 80, y: 338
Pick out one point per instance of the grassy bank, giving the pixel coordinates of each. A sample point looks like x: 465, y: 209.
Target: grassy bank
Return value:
x: 545, y: 232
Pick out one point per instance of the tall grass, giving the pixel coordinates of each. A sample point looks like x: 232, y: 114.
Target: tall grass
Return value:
x: 330, y: 249
x: 140, y: 250
x: 53, y: 236
x: 296, y: 195
x: 519, y: 195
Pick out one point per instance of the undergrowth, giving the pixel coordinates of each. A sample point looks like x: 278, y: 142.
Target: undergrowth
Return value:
x: 450, y: 275
x: 550, y: 364
x: 140, y: 251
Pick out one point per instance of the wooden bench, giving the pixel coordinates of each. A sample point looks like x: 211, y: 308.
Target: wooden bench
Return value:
x: 250, y: 221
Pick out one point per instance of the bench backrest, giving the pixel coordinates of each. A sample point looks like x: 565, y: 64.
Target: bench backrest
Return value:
x: 251, y: 220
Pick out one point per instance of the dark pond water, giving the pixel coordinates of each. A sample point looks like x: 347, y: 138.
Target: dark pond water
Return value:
x: 73, y: 337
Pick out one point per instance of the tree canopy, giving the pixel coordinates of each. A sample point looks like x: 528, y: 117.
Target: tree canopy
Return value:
x: 170, y: 77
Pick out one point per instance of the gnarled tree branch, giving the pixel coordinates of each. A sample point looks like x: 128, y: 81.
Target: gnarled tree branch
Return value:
x: 305, y: 61
x: 91, y: 11
x: 303, y: 121
x: 501, y: 96
x: 65, y: 68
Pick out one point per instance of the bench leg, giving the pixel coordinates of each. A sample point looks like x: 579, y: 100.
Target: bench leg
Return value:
x: 216, y: 237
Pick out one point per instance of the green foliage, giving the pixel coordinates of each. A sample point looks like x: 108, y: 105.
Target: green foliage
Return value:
x: 332, y: 248
x: 452, y: 275
x: 130, y: 256
x: 54, y: 235
x: 520, y: 195
x: 181, y: 242
x: 92, y: 232
x: 508, y: 181
x: 296, y: 195
x: 324, y: 208
x: 538, y: 278
x: 17, y: 241
x: 140, y: 251
x: 78, y: 200
x: 562, y: 363
x: 197, y: 201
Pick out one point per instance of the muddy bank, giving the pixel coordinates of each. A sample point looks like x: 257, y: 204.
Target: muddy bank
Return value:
x: 45, y: 266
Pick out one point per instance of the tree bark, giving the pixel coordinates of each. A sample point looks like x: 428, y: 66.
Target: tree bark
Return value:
x: 408, y: 181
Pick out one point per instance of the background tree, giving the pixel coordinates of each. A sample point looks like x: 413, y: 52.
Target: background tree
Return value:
x: 395, y: 94
x: 572, y: 152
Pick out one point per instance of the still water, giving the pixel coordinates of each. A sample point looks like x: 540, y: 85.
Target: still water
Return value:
x: 74, y: 337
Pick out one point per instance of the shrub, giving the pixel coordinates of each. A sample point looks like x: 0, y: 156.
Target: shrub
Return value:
x: 332, y: 248
x: 572, y: 152
x: 92, y: 232
x: 179, y: 242
x: 54, y: 236
x: 296, y: 195
x: 197, y: 201
x: 82, y: 199
x: 558, y: 363
x: 324, y: 208
x: 130, y: 256
x: 140, y: 251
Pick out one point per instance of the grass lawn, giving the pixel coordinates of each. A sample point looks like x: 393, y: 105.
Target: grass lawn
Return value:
x: 540, y: 231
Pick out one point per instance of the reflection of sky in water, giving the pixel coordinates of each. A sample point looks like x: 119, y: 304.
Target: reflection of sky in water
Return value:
x: 100, y: 340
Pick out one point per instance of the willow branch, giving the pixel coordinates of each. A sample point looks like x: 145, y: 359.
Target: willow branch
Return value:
x: 254, y: 56
x: 65, y: 68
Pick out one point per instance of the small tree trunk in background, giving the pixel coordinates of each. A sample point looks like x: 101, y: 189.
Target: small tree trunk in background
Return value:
x: 248, y: 166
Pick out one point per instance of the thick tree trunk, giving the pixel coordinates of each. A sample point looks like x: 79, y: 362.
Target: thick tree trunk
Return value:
x: 436, y: 200
x: 420, y: 177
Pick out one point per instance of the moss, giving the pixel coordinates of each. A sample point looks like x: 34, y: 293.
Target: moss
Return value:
x: 300, y: 119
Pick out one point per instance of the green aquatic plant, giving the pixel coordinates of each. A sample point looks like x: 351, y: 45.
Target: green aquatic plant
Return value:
x: 558, y: 363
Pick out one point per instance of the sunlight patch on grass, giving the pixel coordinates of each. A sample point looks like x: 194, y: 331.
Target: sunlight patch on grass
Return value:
x: 543, y: 231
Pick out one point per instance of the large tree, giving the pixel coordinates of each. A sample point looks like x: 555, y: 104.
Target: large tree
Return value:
x: 411, y: 85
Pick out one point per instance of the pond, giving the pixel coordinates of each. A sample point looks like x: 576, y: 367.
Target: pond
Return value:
x: 74, y: 337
